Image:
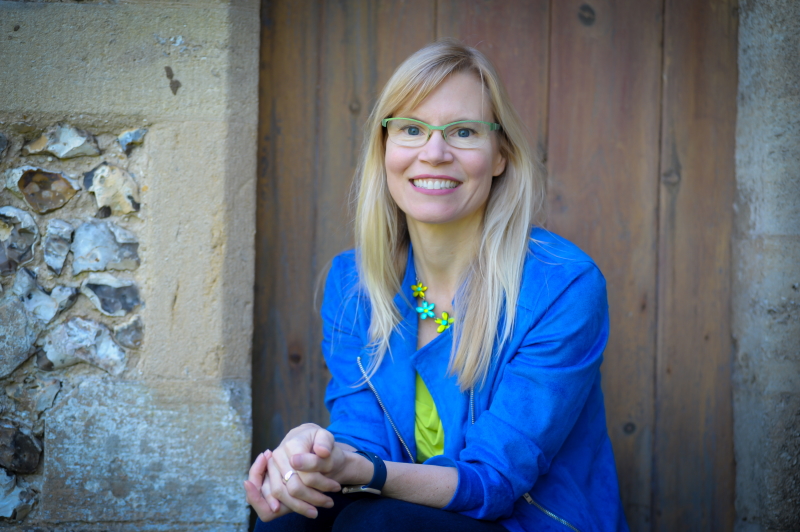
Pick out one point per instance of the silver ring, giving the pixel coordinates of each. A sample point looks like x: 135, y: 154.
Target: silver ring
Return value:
x: 288, y: 475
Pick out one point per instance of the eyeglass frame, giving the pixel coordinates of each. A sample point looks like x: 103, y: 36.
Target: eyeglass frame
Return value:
x: 493, y: 126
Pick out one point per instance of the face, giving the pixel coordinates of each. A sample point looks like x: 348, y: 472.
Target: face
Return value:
x: 436, y: 183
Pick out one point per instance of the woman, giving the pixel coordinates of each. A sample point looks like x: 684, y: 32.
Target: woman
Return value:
x: 464, y: 346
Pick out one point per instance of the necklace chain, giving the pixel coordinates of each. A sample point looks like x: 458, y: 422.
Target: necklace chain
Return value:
x: 425, y: 310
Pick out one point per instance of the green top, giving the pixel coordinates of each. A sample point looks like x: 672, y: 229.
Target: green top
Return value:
x: 428, y: 430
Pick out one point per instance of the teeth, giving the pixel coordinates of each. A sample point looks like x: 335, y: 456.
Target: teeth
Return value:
x: 435, y: 184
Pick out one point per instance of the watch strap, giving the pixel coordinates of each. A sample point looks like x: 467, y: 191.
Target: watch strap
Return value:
x: 378, y: 476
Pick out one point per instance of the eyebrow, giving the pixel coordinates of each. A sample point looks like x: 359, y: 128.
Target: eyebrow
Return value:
x: 451, y: 122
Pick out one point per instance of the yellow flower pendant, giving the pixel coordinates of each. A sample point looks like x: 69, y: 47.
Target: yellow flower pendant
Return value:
x: 425, y: 310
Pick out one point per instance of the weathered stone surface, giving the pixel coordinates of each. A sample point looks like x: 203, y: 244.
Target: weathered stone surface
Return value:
x: 87, y: 340
x: 120, y: 448
x: 113, y: 188
x: 65, y: 142
x: 36, y: 396
x: 101, y: 245
x: 38, y: 303
x: 19, y: 450
x: 18, y: 236
x: 112, y: 296
x: 128, y: 139
x: 15, y: 501
x: 45, y: 191
x: 56, y: 244
x: 130, y: 334
x: 18, y: 333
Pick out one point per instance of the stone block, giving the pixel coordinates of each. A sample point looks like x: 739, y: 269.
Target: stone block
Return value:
x: 199, y: 309
x: 137, y: 42
x: 148, y: 453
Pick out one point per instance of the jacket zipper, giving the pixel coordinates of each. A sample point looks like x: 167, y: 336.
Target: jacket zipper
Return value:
x: 386, y: 412
x: 526, y: 496
x: 547, y: 512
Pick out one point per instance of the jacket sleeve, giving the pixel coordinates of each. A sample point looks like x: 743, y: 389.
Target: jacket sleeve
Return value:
x: 540, y: 395
x: 355, y: 418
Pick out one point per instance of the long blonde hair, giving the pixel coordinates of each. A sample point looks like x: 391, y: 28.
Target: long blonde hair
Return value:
x: 490, y: 287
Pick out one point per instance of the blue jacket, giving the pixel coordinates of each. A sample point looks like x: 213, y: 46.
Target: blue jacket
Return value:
x: 531, y: 447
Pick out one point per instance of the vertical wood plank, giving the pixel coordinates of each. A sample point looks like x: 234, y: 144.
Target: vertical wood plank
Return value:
x: 285, y: 230
x: 694, y: 465
x: 602, y: 194
x: 514, y: 34
x: 363, y: 41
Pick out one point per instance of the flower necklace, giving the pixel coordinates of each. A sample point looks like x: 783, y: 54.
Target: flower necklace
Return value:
x: 425, y: 310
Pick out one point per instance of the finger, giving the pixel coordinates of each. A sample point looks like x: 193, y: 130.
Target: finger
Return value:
x: 280, y: 492
x: 258, y: 470
x: 323, y: 443
x: 309, y: 462
x: 319, y: 482
x: 299, y: 490
x: 259, y: 504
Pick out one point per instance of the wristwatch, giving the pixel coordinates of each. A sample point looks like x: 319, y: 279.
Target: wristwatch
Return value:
x: 378, y: 476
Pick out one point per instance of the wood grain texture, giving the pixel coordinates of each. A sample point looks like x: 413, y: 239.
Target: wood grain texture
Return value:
x: 603, y: 195
x: 694, y: 464
x: 283, y: 379
x: 514, y: 34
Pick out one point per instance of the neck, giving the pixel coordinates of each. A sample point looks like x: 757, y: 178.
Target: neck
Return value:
x: 443, y: 252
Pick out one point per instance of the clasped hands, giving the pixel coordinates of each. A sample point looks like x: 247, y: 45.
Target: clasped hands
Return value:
x: 321, y: 465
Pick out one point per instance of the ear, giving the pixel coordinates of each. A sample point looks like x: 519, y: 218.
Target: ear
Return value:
x: 499, y: 165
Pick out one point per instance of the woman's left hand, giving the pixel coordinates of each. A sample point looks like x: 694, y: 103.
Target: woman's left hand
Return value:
x: 266, y: 506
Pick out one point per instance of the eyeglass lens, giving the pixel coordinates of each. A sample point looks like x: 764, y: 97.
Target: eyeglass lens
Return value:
x: 461, y: 135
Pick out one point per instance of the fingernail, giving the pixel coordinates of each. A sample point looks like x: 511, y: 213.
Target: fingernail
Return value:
x: 329, y: 504
x: 275, y: 506
x: 312, y: 514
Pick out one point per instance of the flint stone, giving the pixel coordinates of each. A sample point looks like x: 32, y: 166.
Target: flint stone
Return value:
x: 111, y: 296
x: 17, y: 335
x: 100, y: 245
x: 79, y: 339
x: 15, y: 501
x: 19, y: 450
x: 18, y: 236
x: 128, y: 138
x: 4, y: 144
x: 56, y: 244
x: 65, y: 296
x: 130, y: 334
x: 45, y: 191
x: 37, y: 396
x: 65, y: 142
x: 113, y: 188
x: 37, y: 302
x: 12, y: 176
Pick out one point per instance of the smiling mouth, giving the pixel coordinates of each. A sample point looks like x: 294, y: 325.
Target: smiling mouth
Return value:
x: 435, y: 184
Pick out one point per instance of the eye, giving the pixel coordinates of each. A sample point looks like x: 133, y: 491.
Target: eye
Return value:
x: 412, y: 130
x: 464, y: 133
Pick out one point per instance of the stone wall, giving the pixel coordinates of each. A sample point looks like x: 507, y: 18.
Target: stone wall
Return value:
x: 766, y: 266
x: 127, y: 215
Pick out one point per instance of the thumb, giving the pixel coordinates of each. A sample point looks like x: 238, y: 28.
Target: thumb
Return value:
x: 323, y: 443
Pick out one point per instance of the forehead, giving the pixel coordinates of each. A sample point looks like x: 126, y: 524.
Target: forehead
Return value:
x: 461, y: 96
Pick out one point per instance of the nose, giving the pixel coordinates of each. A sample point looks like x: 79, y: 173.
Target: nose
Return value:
x: 436, y: 151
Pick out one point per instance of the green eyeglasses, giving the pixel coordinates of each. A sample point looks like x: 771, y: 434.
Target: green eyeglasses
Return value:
x: 463, y: 134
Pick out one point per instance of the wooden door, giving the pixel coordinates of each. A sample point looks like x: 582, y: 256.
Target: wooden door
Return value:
x: 632, y: 105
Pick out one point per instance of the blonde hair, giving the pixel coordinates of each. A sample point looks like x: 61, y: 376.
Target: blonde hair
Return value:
x: 491, y: 285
